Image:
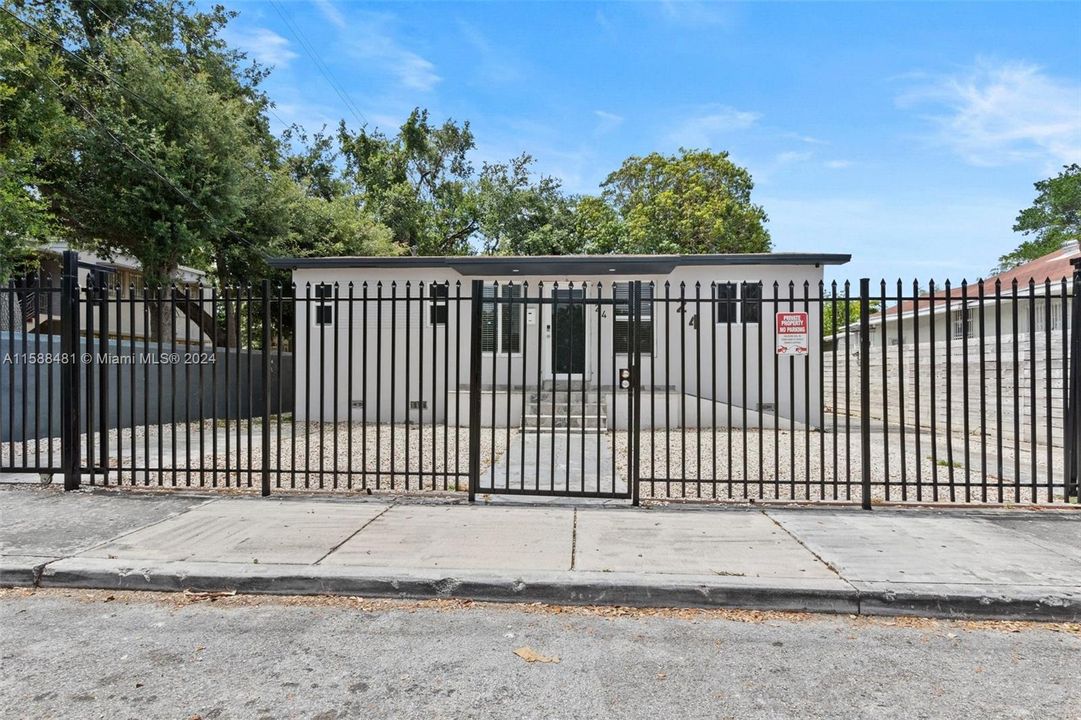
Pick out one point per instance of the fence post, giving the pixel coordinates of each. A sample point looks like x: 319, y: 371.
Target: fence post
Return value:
x: 475, y: 318
x: 1073, y: 427
x: 266, y: 387
x: 634, y: 421
x: 70, y: 395
x: 865, y: 390
x: 101, y: 282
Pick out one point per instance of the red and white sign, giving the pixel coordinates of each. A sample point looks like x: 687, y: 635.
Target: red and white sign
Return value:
x: 792, y: 335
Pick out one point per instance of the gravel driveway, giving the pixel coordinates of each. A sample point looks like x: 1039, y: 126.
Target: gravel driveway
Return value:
x: 765, y: 465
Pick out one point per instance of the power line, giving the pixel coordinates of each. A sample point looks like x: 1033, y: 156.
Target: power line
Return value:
x: 55, y: 42
x: 321, y: 67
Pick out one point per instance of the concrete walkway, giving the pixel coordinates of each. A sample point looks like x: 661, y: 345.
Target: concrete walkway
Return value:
x: 552, y: 461
x: 974, y: 563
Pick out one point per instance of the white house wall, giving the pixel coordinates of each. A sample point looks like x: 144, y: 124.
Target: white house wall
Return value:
x: 379, y: 374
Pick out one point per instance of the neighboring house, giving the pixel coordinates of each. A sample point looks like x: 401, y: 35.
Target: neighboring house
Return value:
x: 40, y: 311
x: 526, y: 346
x: 1000, y: 359
x: 1040, y: 304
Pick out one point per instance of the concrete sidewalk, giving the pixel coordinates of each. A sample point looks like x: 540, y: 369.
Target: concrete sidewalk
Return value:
x: 958, y: 563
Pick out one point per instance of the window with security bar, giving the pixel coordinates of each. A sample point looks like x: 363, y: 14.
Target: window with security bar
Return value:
x: 1041, y: 314
x: 501, y: 323
x: 621, y: 293
x: 963, y: 322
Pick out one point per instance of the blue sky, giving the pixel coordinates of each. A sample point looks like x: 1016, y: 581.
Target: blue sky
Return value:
x: 906, y: 134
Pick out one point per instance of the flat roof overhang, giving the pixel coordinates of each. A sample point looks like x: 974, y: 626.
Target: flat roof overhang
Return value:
x: 561, y: 264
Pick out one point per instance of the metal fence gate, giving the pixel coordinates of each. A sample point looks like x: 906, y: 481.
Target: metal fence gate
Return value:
x: 634, y: 390
x: 559, y: 401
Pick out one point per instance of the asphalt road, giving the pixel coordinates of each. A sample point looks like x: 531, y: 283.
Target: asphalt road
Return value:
x: 77, y: 654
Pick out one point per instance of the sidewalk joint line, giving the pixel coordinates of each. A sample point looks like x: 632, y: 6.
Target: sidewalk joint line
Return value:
x: 124, y: 534
x: 355, y: 533
x: 574, y: 538
x: 819, y: 558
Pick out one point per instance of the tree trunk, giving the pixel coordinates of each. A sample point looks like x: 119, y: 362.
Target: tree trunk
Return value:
x: 162, y: 320
x: 226, y: 334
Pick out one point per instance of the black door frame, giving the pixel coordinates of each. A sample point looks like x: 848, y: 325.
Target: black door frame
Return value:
x: 568, y: 299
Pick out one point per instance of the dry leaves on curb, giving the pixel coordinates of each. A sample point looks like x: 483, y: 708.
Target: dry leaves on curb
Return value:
x: 197, y: 595
x: 531, y: 656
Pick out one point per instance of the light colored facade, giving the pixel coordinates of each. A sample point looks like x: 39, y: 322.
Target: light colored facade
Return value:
x: 1015, y: 304
x: 131, y: 319
x: 995, y: 361
x: 705, y: 353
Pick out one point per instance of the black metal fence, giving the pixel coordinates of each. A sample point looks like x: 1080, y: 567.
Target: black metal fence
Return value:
x: 635, y: 389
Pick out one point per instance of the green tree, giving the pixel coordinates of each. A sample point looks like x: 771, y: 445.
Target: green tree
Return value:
x: 601, y: 227
x: 517, y: 216
x: 31, y: 118
x: 164, y: 152
x: 417, y: 183
x: 847, y: 314
x: 422, y: 184
x: 1053, y: 220
x: 696, y: 201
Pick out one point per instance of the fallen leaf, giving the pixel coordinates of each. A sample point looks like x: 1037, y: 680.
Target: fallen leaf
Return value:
x: 531, y: 656
x: 197, y: 595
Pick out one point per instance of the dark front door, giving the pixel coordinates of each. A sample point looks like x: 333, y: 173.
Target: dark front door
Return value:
x: 569, y: 332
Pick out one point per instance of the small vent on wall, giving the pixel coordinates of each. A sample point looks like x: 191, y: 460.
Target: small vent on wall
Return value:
x: 418, y: 404
x: 767, y: 407
x: 358, y: 404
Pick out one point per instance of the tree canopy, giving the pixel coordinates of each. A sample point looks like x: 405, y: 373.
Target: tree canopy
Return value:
x: 133, y: 128
x: 1053, y: 220
x: 696, y: 201
x: 422, y: 185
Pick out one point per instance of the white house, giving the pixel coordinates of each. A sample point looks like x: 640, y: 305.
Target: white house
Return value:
x: 387, y: 339
x: 1041, y: 288
x: 1002, y: 339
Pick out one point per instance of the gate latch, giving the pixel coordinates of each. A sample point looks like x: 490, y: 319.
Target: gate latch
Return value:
x: 626, y: 378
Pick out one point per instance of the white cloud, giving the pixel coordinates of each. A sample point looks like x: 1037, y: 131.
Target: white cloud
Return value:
x: 330, y: 12
x: 793, y: 156
x: 371, y: 39
x: 264, y: 45
x: 701, y: 130
x: 607, y: 121
x: 492, y: 63
x: 1004, y: 113
x: 838, y: 164
x: 697, y: 14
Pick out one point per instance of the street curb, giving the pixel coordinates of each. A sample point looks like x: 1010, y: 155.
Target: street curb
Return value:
x: 1058, y: 604
x: 565, y: 588
x: 1041, y: 603
x: 21, y: 571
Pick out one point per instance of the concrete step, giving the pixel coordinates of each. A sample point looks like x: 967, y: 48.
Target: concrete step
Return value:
x: 585, y: 422
x: 561, y: 396
x: 564, y: 385
x: 563, y: 408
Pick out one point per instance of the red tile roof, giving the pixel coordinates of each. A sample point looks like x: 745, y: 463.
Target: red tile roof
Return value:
x: 1054, y: 266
